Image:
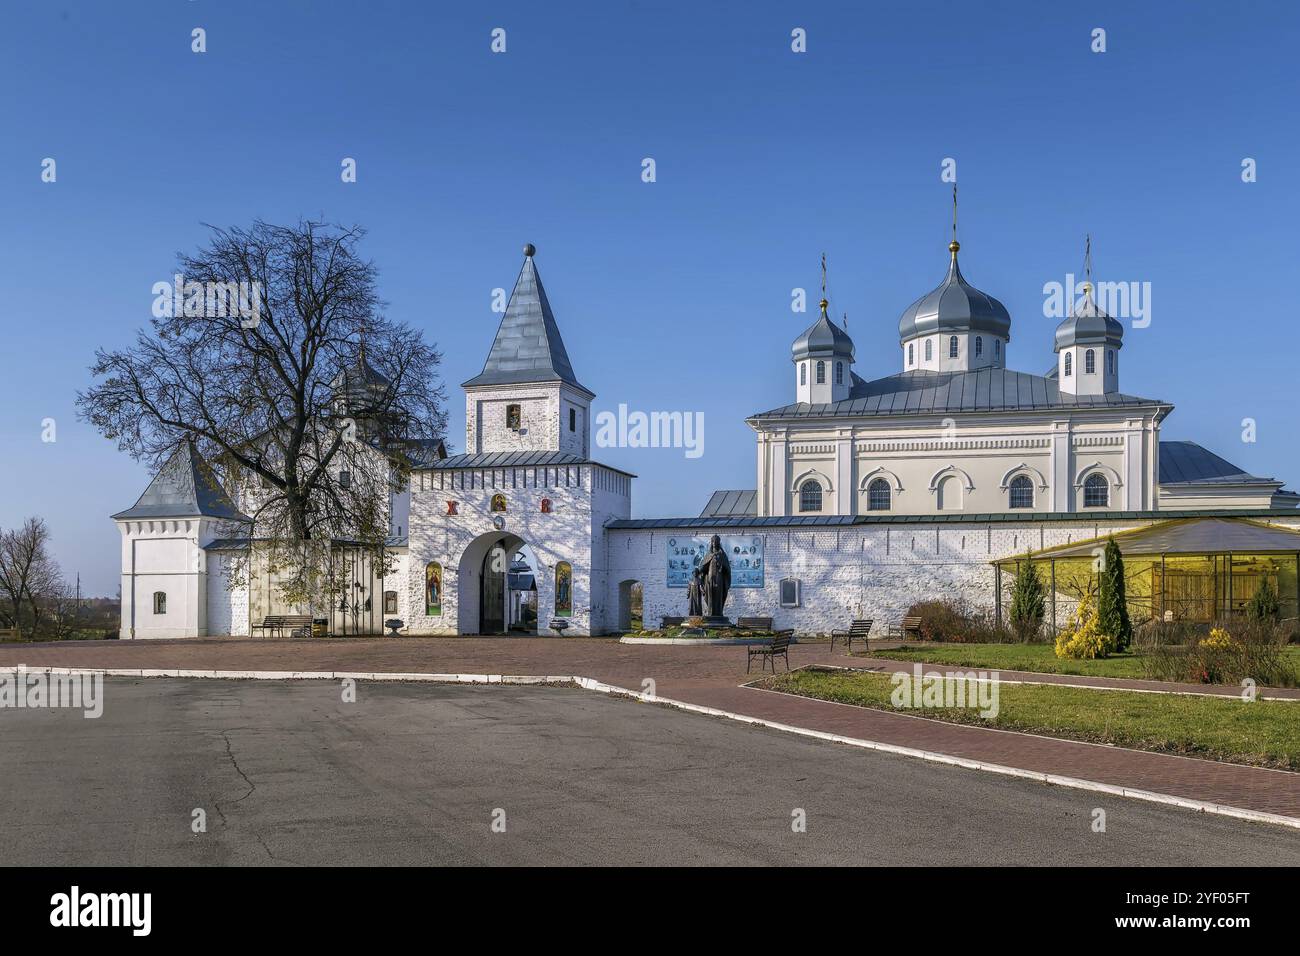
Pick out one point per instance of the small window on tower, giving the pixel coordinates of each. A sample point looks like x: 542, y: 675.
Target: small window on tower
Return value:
x: 1089, y: 362
x: 1110, y: 361
x: 979, y: 345
x: 929, y: 349
x: 803, y: 373
x: 997, y: 348
x: 1069, y: 364
x: 821, y: 373
x: 952, y: 347
x: 514, y: 417
x: 911, y: 353
x: 839, y: 373
x: 573, y: 419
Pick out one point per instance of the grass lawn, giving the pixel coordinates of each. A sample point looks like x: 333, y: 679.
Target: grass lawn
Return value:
x: 1263, y: 733
x: 1040, y: 658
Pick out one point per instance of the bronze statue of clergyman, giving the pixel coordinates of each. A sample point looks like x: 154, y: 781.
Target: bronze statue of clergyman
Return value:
x: 715, y: 573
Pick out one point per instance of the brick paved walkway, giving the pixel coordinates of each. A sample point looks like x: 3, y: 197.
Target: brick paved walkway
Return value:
x: 705, y: 676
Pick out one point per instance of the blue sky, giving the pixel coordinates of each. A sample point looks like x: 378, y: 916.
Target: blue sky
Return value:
x: 673, y: 295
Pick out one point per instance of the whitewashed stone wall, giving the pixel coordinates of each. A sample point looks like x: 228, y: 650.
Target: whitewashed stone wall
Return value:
x: 227, y: 606
x: 875, y: 571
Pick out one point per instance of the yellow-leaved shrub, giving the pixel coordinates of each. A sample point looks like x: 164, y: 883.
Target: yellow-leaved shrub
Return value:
x: 1080, y: 639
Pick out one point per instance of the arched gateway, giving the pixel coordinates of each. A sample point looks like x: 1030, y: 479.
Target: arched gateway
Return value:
x: 498, y: 586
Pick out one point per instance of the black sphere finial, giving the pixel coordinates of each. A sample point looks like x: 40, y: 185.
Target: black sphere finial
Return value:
x: 530, y: 250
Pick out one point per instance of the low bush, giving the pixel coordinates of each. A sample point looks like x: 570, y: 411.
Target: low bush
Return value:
x: 957, y: 623
x: 1228, y: 654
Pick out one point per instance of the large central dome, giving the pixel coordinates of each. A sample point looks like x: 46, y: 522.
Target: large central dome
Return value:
x: 955, y: 306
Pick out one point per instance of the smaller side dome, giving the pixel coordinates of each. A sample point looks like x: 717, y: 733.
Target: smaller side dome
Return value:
x: 1088, y: 324
x: 823, y: 337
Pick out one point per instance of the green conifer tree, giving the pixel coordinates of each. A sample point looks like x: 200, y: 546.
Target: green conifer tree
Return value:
x: 1028, y: 601
x: 1112, y: 604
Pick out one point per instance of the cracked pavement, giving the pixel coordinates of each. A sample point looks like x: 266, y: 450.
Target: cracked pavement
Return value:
x: 411, y: 774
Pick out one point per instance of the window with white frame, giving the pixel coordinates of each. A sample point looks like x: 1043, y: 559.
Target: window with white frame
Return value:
x: 1096, y: 491
x: 1069, y: 365
x: 878, y: 494
x: 952, y: 346
x: 1089, y: 362
x: 810, y: 495
x: 1020, y: 493
x: 821, y: 373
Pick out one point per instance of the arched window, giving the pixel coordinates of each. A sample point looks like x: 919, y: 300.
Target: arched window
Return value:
x: 839, y: 373
x: 952, y: 346
x: 1110, y: 361
x: 929, y: 349
x: 160, y: 602
x: 1069, y: 364
x: 1089, y: 362
x: 911, y: 353
x: 1021, y: 492
x: 997, y: 348
x: 821, y: 373
x: 810, y: 495
x: 564, y: 589
x: 1096, y: 491
x: 498, y: 502
x: 433, y: 589
x: 878, y: 495
x: 979, y: 345
x: 803, y: 373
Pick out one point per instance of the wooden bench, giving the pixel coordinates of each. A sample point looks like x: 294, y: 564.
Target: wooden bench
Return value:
x: 668, y: 622
x: 779, y: 646
x: 912, y: 625
x: 860, y: 628
x: 754, y: 623
x: 278, y: 623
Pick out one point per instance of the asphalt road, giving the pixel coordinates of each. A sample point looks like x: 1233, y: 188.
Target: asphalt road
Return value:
x: 287, y: 773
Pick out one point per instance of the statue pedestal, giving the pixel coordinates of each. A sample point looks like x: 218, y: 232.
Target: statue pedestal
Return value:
x: 717, y: 622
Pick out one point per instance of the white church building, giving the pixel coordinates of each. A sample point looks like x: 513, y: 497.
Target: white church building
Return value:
x: 869, y: 495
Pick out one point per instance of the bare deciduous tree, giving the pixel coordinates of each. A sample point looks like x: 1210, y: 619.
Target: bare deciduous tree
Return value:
x: 29, y: 576
x: 289, y: 398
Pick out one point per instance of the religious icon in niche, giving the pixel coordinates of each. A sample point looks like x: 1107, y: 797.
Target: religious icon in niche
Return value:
x: 433, y: 588
x: 546, y: 506
x: 498, y: 502
x: 451, y: 508
x: 564, y: 589
x: 514, y: 418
